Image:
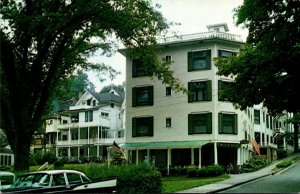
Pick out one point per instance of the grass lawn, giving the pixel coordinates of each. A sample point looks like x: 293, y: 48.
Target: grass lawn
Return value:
x: 179, y: 183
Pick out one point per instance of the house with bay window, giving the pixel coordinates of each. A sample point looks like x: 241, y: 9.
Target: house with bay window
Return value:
x: 84, y: 129
x: 175, y: 129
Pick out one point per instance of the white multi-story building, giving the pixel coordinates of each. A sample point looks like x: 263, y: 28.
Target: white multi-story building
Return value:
x: 201, y: 128
x: 88, y: 127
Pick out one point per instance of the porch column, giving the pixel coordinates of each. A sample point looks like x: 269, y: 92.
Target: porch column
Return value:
x: 69, y: 152
x: 169, y: 157
x: 137, y: 157
x: 192, y: 156
x: 98, y: 134
x: 199, y: 157
x: 239, y: 156
x: 56, y: 147
x: 78, y: 152
x: 88, y: 135
x: 108, y: 156
x: 216, y: 153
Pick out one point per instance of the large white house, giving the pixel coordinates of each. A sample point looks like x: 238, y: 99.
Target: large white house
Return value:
x: 201, y: 128
x: 86, y: 128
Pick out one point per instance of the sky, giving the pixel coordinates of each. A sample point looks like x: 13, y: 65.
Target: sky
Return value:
x: 193, y: 16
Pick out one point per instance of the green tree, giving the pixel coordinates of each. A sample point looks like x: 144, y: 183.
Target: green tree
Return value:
x: 42, y: 42
x: 266, y: 69
x: 70, y: 87
x: 113, y: 86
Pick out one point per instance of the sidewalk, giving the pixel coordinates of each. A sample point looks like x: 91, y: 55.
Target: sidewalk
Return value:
x: 238, y: 179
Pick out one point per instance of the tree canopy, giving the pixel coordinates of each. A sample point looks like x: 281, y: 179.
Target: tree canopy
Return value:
x: 43, y: 42
x: 266, y: 69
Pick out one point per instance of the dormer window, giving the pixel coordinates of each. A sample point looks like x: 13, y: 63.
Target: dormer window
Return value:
x: 88, y: 102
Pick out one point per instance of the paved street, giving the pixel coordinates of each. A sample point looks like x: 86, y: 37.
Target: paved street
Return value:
x: 285, y: 182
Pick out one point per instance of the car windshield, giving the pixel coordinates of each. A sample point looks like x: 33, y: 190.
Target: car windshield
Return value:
x: 32, y: 180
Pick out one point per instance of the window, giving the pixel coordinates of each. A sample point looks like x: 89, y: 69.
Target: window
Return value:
x: 58, y: 180
x: 223, y: 85
x: 142, y: 96
x: 199, y: 60
x: 138, y: 69
x: 200, y: 123
x: 142, y: 126
x: 74, y: 119
x: 199, y: 91
x: 256, y: 117
x: 74, y: 134
x: 168, y: 91
x: 74, y: 178
x: 225, y: 54
x: 168, y: 58
x: 227, y: 123
x: 88, y: 116
x: 104, y: 114
x: 168, y: 122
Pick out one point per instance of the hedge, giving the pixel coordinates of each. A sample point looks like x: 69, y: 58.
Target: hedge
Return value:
x: 131, y: 178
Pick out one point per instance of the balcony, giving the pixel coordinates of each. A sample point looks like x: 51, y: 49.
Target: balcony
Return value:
x: 200, y: 36
x: 68, y: 125
x: 90, y: 141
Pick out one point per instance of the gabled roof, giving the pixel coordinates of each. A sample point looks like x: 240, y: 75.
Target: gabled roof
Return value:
x: 106, y: 98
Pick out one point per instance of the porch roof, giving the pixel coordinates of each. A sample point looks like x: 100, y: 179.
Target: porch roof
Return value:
x: 164, y: 145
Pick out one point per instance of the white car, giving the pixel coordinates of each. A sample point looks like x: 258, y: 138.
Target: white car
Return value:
x: 6, y: 179
x: 60, y: 180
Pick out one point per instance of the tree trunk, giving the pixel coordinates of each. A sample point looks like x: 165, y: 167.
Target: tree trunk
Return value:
x: 22, y: 151
x: 296, y: 140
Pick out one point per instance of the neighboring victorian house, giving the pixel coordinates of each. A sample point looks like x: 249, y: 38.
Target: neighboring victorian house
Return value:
x: 175, y: 129
x: 87, y: 128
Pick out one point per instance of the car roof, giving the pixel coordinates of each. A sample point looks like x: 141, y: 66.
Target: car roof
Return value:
x: 3, y: 173
x: 56, y: 172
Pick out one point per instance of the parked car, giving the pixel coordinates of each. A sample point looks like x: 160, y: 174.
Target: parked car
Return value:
x: 68, y: 181
x: 6, y: 179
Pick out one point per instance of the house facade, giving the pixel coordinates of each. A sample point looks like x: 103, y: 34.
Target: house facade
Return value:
x: 85, y: 129
x: 201, y: 128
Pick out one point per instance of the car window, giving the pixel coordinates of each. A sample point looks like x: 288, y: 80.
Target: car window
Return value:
x: 85, y: 179
x: 74, y: 178
x: 58, y: 180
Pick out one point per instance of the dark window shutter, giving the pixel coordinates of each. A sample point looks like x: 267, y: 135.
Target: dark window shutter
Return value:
x: 209, y: 123
x: 235, y: 124
x: 150, y: 124
x: 134, y: 127
x: 219, y: 53
x: 208, y: 89
x: 190, y: 61
x: 190, y: 124
x: 151, y: 94
x: 208, y: 59
x: 219, y: 89
x: 134, y: 67
x: 190, y: 91
x: 134, y: 94
x: 86, y: 116
x: 220, y: 119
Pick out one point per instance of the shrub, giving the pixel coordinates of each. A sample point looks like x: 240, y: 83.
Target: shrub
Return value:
x: 284, y: 164
x: 281, y: 153
x: 141, y: 178
x: 208, y: 171
x: 193, y: 172
x: 183, y: 171
x: 254, y: 164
